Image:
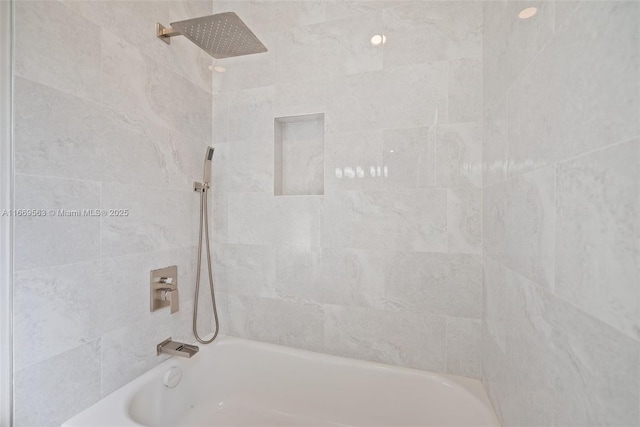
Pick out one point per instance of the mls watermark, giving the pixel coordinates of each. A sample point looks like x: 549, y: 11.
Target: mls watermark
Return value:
x: 65, y: 212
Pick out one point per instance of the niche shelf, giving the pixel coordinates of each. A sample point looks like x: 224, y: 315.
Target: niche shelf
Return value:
x: 299, y: 155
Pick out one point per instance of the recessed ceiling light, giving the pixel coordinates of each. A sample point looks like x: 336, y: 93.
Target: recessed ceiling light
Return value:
x: 378, y: 39
x: 528, y: 12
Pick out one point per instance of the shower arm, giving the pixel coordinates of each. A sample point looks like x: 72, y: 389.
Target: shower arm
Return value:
x: 165, y: 34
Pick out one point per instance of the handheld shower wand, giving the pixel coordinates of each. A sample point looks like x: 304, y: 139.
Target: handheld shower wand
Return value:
x: 203, y: 188
x: 206, y: 175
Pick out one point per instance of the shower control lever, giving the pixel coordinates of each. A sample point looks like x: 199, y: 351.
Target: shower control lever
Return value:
x: 170, y: 295
x: 164, y: 288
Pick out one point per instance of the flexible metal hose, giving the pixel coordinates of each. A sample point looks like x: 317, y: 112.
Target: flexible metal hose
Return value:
x: 204, y: 221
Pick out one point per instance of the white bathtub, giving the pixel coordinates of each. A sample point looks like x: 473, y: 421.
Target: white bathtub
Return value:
x: 236, y: 382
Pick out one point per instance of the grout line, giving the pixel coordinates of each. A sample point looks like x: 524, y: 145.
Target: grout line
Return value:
x: 139, y: 122
x: 97, y: 260
x: 528, y: 64
x: 559, y: 163
x: 102, y: 182
x: 60, y: 353
x: 549, y: 292
x: 178, y: 71
x: 596, y: 150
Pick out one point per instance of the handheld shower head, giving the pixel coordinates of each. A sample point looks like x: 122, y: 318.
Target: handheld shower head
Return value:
x: 206, y: 176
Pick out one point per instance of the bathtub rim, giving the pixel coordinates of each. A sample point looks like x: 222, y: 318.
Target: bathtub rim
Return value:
x: 123, y: 396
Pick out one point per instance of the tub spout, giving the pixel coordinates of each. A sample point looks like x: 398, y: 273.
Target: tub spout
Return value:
x: 176, y: 348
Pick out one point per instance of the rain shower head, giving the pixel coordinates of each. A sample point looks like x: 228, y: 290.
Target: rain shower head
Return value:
x: 222, y: 35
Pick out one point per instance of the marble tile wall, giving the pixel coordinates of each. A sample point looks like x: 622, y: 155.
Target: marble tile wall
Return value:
x: 106, y: 116
x: 561, y: 213
x: 387, y: 264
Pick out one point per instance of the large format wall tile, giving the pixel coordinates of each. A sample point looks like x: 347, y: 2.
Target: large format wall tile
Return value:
x: 443, y: 284
x: 277, y: 15
x: 348, y: 277
x: 463, y: 347
x: 561, y: 207
x: 464, y: 220
x: 129, y: 275
x: 569, y: 103
x: 130, y: 351
x: 218, y: 227
x: 496, y: 285
x: 83, y: 140
x: 519, y: 224
x: 50, y: 392
x: 299, y: 98
x: 598, y: 235
x: 409, y: 220
x: 251, y: 114
x: 409, y: 96
x: 139, y: 87
x: 352, y: 277
x: 495, y: 147
x: 354, y: 102
x: 327, y: 49
x: 413, y: 96
x: 50, y: 315
x: 408, y: 339
x: 245, y: 269
x: 465, y: 90
x: 342, y: 8
x: 278, y: 321
x: 244, y: 166
x: 353, y: 160
x: 220, y: 119
x: 241, y: 72
x: 157, y: 219
x: 57, y: 47
x: 63, y: 236
x: 134, y: 22
x: 49, y: 310
x: 262, y: 219
x: 408, y: 158
x: 563, y: 360
x: 420, y: 32
x: 298, y: 273
x: 68, y: 139
x: 459, y: 155
x: 510, y: 43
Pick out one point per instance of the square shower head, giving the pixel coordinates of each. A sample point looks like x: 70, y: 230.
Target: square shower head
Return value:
x: 222, y: 35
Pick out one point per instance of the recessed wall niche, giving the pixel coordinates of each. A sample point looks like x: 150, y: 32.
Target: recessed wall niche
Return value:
x: 299, y: 155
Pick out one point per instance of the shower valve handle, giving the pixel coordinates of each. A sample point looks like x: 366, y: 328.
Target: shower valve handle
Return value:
x: 163, y: 288
x: 171, y: 295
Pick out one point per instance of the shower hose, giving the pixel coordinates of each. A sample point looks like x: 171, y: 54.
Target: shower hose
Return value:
x: 204, y: 225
